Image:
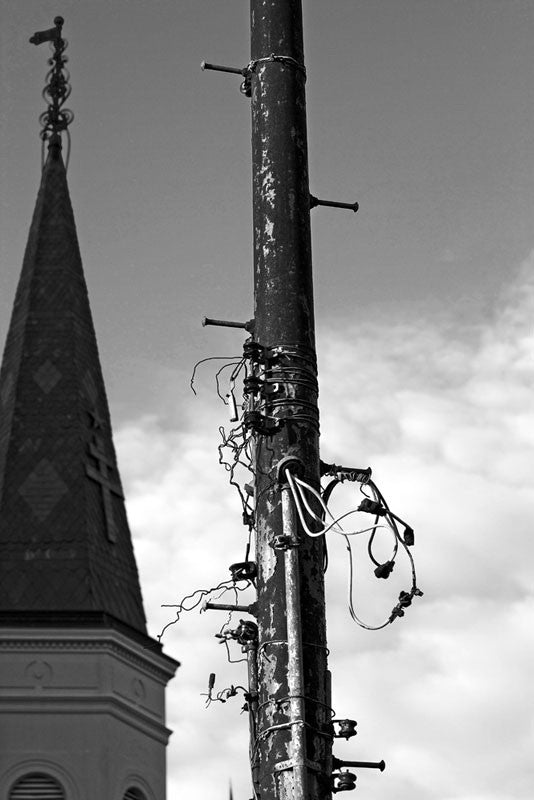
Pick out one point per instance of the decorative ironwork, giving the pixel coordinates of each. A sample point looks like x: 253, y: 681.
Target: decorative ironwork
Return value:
x: 56, y: 119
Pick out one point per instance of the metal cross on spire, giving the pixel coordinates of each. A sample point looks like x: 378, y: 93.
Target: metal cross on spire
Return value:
x: 56, y: 118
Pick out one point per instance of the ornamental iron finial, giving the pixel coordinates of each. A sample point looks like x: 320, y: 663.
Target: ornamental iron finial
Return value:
x: 56, y: 119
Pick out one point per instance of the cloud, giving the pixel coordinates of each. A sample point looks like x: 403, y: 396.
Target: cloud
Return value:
x: 442, y: 412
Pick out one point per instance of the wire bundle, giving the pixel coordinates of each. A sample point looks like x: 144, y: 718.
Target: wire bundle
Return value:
x: 301, y: 492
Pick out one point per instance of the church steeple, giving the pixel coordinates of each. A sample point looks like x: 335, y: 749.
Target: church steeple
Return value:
x: 64, y: 536
x: 82, y: 688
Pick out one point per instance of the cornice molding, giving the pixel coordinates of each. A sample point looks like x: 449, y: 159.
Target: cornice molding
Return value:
x: 111, y: 642
x: 78, y: 705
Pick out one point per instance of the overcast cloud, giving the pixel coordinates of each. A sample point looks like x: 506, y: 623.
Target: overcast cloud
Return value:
x: 441, y: 411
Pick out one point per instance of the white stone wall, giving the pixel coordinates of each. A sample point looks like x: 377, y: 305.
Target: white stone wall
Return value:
x: 89, y: 710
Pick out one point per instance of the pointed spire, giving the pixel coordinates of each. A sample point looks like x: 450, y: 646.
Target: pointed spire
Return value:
x: 64, y: 537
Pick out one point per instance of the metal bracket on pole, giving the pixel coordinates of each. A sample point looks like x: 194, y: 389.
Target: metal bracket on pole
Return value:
x: 359, y: 474
x: 226, y: 323
x: 245, y: 88
x: 251, y: 609
x: 219, y: 68
x: 314, y: 201
x: 290, y: 764
x: 338, y: 762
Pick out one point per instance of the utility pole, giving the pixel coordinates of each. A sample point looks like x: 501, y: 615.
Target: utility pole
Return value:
x: 289, y: 695
x: 294, y: 749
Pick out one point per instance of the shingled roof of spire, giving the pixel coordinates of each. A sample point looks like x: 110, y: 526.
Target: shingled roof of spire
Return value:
x: 64, y: 536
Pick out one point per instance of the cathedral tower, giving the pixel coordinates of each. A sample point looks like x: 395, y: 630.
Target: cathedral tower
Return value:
x: 82, y: 685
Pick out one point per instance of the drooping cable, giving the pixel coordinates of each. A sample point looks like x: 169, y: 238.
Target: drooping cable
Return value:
x: 301, y: 490
x: 230, y: 359
x: 197, y: 596
x: 351, y: 596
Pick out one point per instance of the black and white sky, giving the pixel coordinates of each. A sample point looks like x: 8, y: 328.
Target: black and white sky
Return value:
x: 423, y: 111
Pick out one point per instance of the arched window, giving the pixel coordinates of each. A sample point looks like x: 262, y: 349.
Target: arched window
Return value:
x: 36, y: 786
x: 134, y: 794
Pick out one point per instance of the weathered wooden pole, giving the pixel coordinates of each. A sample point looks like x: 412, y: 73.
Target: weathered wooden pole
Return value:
x: 292, y: 753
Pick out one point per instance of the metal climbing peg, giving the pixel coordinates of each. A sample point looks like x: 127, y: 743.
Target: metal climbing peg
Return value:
x: 219, y: 68
x: 314, y: 201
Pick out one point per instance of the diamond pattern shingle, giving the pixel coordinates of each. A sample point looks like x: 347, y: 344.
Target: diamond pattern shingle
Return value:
x: 65, y: 544
x: 47, y: 376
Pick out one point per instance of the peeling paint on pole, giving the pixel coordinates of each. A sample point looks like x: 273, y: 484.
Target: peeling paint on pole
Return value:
x: 284, y: 322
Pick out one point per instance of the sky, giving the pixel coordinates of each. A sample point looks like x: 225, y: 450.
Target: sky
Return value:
x: 422, y: 111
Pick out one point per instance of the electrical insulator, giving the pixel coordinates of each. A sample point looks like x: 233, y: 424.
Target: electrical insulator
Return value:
x: 372, y: 507
x: 344, y: 782
x: 246, y: 633
x: 254, y: 351
x: 384, y: 570
x: 243, y: 571
x: 252, y: 385
x: 347, y: 728
x: 257, y: 422
x: 246, y: 87
x: 252, y: 420
x: 409, y: 536
x: 405, y: 599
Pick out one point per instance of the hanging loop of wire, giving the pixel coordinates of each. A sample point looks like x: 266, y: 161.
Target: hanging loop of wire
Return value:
x: 298, y: 490
x: 301, y: 490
